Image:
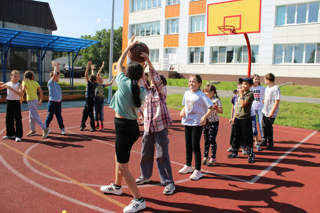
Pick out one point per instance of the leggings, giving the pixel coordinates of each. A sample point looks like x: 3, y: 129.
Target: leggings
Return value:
x: 210, y: 134
x: 192, y: 137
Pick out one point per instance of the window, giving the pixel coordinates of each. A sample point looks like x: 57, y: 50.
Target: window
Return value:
x: 172, y: 2
x: 197, y: 23
x: 234, y: 54
x: 172, y: 26
x: 194, y: 0
x: 145, y: 29
x: 297, y: 54
x: 154, y: 56
x: 138, y: 5
x: 196, y: 55
x: 298, y: 14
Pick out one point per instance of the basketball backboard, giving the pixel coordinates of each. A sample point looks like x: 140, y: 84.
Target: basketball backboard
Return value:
x: 244, y: 15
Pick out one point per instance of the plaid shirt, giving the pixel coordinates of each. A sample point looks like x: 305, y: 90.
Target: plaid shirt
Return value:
x: 156, y: 113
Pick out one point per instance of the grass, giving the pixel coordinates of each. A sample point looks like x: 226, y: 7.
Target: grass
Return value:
x: 291, y: 114
x: 288, y: 90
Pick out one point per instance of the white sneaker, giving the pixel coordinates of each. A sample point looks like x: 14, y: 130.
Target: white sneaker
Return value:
x: 111, y: 189
x: 18, y: 139
x: 186, y: 169
x: 196, y: 175
x: 169, y: 189
x: 63, y: 132
x: 135, y: 205
x: 7, y: 137
x: 46, y: 132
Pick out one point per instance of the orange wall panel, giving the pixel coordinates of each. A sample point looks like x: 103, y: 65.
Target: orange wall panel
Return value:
x: 196, y: 39
x: 197, y: 7
x: 125, y: 26
x: 172, y: 11
x: 171, y: 41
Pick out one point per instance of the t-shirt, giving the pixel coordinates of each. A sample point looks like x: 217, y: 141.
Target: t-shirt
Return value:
x: 258, y: 93
x: 214, y: 116
x: 55, y: 93
x: 242, y: 113
x: 100, y: 91
x: 122, y: 102
x: 31, y: 89
x: 90, y: 89
x: 196, y: 106
x: 10, y: 94
x: 270, y: 96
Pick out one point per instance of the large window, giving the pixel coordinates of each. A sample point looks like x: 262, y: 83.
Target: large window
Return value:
x: 298, y: 14
x: 137, y: 5
x: 172, y: 26
x: 197, y: 23
x: 154, y: 56
x: 196, y: 55
x: 296, y: 54
x: 234, y: 54
x: 172, y: 2
x: 145, y: 29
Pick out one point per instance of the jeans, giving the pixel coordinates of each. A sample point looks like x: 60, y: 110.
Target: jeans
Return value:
x: 98, y: 109
x: 54, y: 108
x: 259, y: 114
x: 267, y: 129
x: 192, y: 137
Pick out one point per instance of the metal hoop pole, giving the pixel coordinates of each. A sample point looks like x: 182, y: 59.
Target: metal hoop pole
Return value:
x: 249, y: 54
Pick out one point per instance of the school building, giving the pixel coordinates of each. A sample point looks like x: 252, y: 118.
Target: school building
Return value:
x: 183, y: 37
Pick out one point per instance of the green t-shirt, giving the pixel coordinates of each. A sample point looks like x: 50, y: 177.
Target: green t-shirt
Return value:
x: 122, y: 102
x: 31, y: 89
x: 242, y: 113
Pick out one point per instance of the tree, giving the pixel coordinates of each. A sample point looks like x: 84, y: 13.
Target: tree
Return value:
x: 101, y: 51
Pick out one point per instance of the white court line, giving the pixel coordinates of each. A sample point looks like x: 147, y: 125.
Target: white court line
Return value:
x: 256, y: 178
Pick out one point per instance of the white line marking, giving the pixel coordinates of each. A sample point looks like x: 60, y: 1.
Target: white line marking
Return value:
x: 255, y: 179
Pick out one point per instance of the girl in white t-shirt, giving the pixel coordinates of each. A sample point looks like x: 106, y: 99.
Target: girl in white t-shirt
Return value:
x: 257, y: 105
x: 13, y: 112
x: 197, y: 108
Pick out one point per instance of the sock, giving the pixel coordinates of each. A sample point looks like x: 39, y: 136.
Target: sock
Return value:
x: 141, y: 199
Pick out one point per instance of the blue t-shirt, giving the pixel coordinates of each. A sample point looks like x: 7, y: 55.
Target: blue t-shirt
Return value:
x: 55, y: 93
x: 90, y: 89
x: 122, y: 102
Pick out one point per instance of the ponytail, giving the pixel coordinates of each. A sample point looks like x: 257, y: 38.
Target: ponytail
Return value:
x: 135, y: 72
x: 135, y: 89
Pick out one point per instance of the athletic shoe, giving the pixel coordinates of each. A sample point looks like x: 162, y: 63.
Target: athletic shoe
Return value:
x: 18, y: 139
x: 233, y: 155
x: 141, y: 180
x: 169, y: 189
x: 270, y: 147
x: 204, y: 161
x: 111, y: 189
x: 82, y: 128
x: 244, y: 151
x: 97, y: 125
x: 251, y: 158
x: 258, y: 147
x: 45, y: 131
x: 135, y: 205
x: 100, y: 127
x: 63, y: 132
x: 196, y: 175
x: 92, y: 130
x: 211, y: 162
x: 186, y: 169
x: 31, y: 133
x: 263, y: 143
x: 7, y: 137
x: 230, y: 149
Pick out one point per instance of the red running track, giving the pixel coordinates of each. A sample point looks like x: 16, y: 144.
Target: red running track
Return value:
x: 65, y: 172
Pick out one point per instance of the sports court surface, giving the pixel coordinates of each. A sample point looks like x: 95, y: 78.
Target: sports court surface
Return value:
x: 65, y: 172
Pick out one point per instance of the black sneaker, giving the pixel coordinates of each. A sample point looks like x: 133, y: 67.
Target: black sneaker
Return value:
x: 270, y: 147
x: 251, y: 158
x: 263, y: 143
x: 82, y: 128
x: 92, y: 130
x: 233, y: 155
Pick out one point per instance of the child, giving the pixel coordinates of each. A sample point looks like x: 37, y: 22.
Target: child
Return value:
x: 13, y: 114
x: 270, y: 110
x: 99, y: 101
x: 242, y: 120
x: 126, y: 103
x: 156, y: 122
x: 257, y: 105
x: 90, y: 95
x: 210, y: 130
x: 55, y: 97
x: 30, y: 86
x: 197, y: 108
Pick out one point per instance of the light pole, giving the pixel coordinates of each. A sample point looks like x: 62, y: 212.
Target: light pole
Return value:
x: 111, y: 54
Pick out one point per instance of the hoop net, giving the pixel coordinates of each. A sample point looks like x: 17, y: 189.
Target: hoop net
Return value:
x: 224, y: 33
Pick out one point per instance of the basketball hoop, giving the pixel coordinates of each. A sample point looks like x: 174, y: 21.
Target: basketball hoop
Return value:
x: 224, y: 33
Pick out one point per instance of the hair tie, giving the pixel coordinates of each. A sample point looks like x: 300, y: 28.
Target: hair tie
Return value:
x: 134, y: 81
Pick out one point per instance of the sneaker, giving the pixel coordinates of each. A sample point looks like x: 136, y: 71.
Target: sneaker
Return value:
x: 196, y: 175
x: 258, y: 147
x: 230, y: 149
x: 31, y: 133
x: 92, y: 130
x: 251, y: 158
x: 100, y: 127
x: 169, y: 189
x: 233, y: 155
x: 45, y: 132
x: 7, y: 137
x: 135, y: 205
x: 141, y: 180
x: 263, y: 143
x: 211, y: 162
x: 18, y: 139
x: 63, y: 132
x: 270, y: 147
x: 186, y: 169
x: 111, y: 189
x: 244, y: 151
x: 97, y: 125
x: 204, y: 161
x: 82, y: 128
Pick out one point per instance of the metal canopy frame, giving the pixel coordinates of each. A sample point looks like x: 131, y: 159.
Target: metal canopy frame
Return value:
x: 42, y: 43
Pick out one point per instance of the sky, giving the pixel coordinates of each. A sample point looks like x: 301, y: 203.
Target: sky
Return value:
x: 82, y: 17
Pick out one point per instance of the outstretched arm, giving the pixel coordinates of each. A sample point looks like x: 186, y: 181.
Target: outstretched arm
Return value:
x: 2, y: 85
x: 131, y: 43
x: 111, y: 82
x: 99, y: 72
x: 55, y: 70
x: 87, y: 71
